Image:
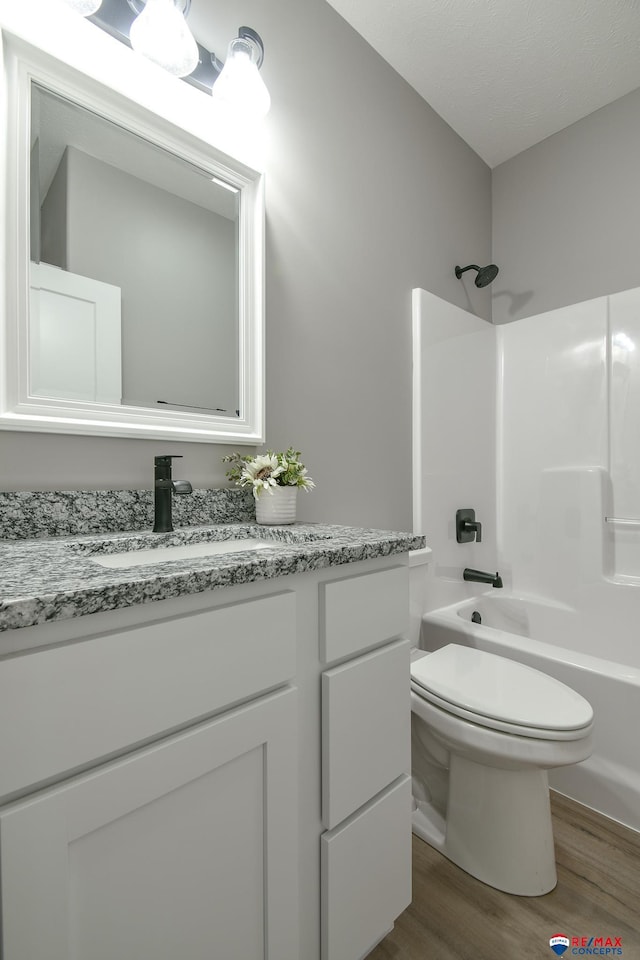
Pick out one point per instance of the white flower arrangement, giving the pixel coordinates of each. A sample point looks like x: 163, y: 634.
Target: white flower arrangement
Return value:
x: 268, y: 470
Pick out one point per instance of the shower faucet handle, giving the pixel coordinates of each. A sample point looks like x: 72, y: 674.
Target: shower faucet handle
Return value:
x: 468, y: 528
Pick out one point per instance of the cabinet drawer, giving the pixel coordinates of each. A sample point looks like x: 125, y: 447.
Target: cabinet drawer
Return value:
x: 366, y: 729
x: 70, y: 705
x: 364, y: 611
x: 366, y: 875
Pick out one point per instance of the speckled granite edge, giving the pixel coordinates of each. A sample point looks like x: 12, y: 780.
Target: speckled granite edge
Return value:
x: 27, y: 515
x: 46, y: 580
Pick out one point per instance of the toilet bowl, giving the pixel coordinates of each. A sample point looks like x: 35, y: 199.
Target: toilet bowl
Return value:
x: 485, y: 730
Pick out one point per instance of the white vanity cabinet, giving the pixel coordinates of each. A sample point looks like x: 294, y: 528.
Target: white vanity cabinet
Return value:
x: 223, y: 775
x: 180, y: 839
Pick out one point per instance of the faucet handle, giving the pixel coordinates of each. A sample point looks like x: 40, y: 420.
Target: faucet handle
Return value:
x: 468, y: 528
x: 166, y: 458
x: 182, y: 486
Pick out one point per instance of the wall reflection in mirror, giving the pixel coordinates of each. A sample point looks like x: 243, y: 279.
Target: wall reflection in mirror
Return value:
x: 134, y: 269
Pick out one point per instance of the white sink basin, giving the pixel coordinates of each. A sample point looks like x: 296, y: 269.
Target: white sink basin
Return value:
x: 188, y: 551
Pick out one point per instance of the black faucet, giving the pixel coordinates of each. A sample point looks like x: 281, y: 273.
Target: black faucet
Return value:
x: 163, y: 488
x: 479, y: 576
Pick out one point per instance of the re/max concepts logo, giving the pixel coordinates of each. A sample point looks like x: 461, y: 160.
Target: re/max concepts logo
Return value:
x: 586, y: 946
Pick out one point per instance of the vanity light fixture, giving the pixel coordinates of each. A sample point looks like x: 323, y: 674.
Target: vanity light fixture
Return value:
x: 160, y: 33
x: 158, y: 30
x: 84, y: 7
x: 240, y: 86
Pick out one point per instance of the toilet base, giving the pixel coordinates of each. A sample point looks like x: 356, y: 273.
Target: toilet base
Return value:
x: 497, y: 827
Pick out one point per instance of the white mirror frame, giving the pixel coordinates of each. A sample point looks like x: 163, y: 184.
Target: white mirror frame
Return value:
x: 47, y: 42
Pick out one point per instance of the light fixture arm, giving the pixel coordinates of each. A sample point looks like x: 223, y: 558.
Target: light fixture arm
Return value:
x: 138, y: 6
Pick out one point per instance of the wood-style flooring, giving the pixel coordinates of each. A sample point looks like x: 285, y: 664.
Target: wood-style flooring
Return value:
x: 454, y: 917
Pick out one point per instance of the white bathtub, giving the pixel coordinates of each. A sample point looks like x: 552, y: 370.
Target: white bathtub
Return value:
x: 544, y: 635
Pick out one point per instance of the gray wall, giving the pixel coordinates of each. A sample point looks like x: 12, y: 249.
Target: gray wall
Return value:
x: 34, y: 202
x: 566, y: 215
x: 53, y: 219
x: 369, y: 194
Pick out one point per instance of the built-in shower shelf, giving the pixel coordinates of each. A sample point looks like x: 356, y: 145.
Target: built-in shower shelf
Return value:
x: 626, y: 520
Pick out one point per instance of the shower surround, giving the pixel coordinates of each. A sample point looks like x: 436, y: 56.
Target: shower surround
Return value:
x: 534, y: 425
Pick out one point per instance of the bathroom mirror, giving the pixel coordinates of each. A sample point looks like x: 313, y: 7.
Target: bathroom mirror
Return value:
x: 134, y: 266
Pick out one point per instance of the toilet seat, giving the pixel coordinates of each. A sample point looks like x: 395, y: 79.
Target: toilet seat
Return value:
x: 501, y: 694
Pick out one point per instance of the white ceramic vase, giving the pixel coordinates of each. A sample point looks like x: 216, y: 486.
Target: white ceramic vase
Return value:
x: 277, y: 507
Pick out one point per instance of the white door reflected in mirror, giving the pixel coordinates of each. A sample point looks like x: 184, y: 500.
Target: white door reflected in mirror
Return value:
x: 74, y: 336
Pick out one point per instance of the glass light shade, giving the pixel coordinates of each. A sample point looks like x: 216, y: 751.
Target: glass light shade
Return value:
x: 160, y: 33
x: 85, y: 7
x: 240, y: 86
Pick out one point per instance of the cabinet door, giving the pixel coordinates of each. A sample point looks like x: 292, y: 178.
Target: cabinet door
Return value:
x: 185, y: 849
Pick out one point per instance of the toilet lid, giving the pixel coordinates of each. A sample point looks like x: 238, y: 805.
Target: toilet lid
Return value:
x: 489, y: 686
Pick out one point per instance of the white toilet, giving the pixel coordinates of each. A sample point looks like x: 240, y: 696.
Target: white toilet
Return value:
x: 485, y: 730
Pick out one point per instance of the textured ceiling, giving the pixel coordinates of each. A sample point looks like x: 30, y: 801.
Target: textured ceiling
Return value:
x: 505, y: 74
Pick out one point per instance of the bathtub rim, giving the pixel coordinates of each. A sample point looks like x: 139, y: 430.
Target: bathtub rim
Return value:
x: 449, y: 616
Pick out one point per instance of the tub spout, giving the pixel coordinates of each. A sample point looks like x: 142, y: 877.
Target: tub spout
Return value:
x: 479, y: 576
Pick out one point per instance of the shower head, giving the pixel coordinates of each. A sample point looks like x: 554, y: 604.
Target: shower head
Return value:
x: 485, y: 274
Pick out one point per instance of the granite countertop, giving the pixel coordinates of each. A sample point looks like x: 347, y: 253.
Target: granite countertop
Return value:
x: 55, y: 578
